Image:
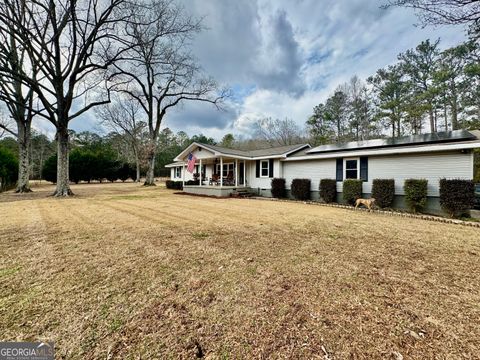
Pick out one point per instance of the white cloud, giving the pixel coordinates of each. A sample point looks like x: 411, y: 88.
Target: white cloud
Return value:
x: 283, y: 57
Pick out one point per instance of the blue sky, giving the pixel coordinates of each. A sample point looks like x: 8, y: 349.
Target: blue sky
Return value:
x: 283, y: 57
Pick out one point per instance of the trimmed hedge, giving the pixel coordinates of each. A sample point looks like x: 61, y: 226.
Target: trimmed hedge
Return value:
x: 352, y: 190
x: 175, y: 185
x: 8, y: 169
x: 457, y: 196
x: 328, y: 190
x: 192, y: 182
x: 278, y: 188
x: 301, y: 189
x: 87, y: 165
x: 415, y: 194
x: 383, y: 191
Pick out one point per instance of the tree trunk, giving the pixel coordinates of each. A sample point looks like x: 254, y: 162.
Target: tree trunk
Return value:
x: 445, y: 115
x: 454, y: 107
x: 24, y: 134
x: 63, y: 183
x: 137, y: 164
x: 138, y: 171
x: 150, y: 178
x: 432, y: 121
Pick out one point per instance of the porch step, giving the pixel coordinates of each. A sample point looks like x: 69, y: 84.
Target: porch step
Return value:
x: 242, y: 193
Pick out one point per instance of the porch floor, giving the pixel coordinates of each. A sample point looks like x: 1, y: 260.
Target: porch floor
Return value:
x: 212, y: 190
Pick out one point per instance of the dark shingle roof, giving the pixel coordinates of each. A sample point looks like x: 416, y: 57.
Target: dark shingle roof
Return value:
x: 275, y: 151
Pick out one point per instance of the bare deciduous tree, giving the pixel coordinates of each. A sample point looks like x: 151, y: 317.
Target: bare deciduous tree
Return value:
x: 444, y: 12
x: 278, y: 132
x: 17, y: 98
x: 65, y: 42
x: 123, y: 116
x: 159, y: 71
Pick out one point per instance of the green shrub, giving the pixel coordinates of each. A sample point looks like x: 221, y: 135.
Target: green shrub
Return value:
x: 49, y: 170
x: 191, y: 182
x: 124, y: 172
x: 8, y: 169
x: 88, y: 165
x: 175, y: 185
x: 383, y: 191
x: 328, y: 190
x: 457, y: 196
x: 301, y: 189
x: 415, y: 194
x: 132, y: 173
x: 352, y: 190
x: 278, y: 188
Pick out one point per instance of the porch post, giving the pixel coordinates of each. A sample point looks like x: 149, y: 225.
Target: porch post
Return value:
x: 244, y: 172
x: 200, y: 183
x: 221, y: 171
x: 236, y: 172
x: 183, y: 174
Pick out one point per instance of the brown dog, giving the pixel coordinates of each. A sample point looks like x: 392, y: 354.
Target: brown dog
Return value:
x: 369, y: 203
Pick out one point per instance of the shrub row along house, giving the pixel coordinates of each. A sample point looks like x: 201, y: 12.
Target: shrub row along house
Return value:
x: 429, y: 157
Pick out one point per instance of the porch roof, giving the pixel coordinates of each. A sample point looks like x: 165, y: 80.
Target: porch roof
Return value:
x: 174, y: 164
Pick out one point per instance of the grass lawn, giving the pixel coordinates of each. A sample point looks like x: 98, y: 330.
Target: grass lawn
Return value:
x: 122, y: 271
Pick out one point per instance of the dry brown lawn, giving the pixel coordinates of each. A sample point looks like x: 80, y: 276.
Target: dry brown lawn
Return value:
x: 122, y: 271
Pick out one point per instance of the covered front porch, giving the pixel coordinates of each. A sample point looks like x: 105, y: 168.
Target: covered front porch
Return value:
x: 217, y: 191
x: 216, y: 176
x: 217, y: 172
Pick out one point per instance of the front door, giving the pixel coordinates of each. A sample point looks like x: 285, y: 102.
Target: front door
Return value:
x: 241, y: 173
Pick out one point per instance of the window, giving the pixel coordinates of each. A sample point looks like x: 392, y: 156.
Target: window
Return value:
x: 351, y: 168
x: 178, y: 171
x: 264, y: 168
x: 227, y: 168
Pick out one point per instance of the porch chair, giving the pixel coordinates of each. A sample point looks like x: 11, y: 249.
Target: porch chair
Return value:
x: 229, y: 181
x: 215, y: 180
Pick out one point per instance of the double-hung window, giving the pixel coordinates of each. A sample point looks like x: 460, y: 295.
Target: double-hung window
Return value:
x: 178, y: 172
x: 227, y: 168
x: 264, y: 168
x: 352, y: 168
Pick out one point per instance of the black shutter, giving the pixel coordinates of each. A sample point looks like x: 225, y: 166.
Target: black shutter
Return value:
x: 364, y: 168
x: 340, y: 169
x: 257, y: 170
x: 270, y: 167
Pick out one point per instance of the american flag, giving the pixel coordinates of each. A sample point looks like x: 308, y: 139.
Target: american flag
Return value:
x: 191, y: 163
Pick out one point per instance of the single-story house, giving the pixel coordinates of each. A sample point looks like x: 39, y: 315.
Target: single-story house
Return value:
x: 427, y: 156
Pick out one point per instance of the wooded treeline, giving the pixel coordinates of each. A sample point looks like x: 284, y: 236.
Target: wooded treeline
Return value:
x: 97, y: 157
x: 62, y: 58
x: 427, y: 90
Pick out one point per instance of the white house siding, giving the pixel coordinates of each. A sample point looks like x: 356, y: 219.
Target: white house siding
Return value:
x: 309, y: 169
x: 208, y: 171
x: 201, y: 153
x: 188, y: 176
x: 432, y: 167
x: 261, y: 182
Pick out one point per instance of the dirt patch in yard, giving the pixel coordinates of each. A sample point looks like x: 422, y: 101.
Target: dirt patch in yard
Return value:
x: 122, y: 271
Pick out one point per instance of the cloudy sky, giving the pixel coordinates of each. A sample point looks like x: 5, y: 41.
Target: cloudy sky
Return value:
x: 282, y: 57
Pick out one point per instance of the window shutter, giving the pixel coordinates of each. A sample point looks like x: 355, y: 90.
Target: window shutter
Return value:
x: 257, y: 170
x: 270, y: 168
x: 364, y: 168
x: 340, y: 169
